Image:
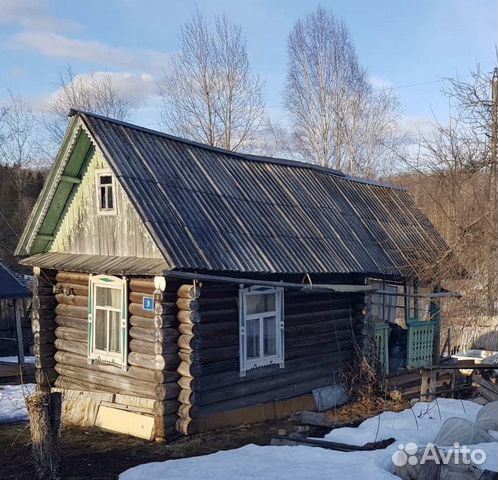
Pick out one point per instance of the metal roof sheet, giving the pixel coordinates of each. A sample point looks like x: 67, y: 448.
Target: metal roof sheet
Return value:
x: 10, y: 286
x: 211, y: 209
x: 69, y: 262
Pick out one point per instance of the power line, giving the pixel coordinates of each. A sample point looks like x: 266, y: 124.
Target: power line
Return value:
x: 396, y: 87
x: 443, y: 79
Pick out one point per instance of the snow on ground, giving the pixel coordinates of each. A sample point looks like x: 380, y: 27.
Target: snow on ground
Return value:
x: 13, y: 359
x: 12, y: 404
x: 419, y: 424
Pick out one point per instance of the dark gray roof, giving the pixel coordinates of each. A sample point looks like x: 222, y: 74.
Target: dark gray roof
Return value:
x: 211, y: 209
x: 70, y: 262
x: 10, y: 286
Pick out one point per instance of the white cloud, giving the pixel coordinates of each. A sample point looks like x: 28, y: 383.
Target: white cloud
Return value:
x: 32, y: 14
x: 55, y: 45
x: 137, y: 89
x: 414, y: 127
x: 380, y: 83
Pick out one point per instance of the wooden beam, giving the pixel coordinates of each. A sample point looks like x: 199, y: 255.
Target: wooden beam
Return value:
x: 42, y: 236
x: 68, y: 179
x: 20, y: 340
x: 306, y: 287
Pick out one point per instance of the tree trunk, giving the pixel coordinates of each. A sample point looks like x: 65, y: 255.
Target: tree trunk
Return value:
x: 45, y: 412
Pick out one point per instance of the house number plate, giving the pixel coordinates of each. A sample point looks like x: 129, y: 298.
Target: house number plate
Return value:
x: 148, y: 304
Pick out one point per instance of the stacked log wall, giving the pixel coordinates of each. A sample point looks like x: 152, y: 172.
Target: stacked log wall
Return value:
x: 152, y: 348
x: 189, y: 343
x: 320, y: 331
x: 43, y: 326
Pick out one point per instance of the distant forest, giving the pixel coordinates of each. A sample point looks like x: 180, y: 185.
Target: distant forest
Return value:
x: 19, y: 189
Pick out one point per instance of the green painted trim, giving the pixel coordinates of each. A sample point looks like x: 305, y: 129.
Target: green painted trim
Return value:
x: 41, y: 236
x: 56, y: 192
x: 22, y: 246
x: 68, y: 179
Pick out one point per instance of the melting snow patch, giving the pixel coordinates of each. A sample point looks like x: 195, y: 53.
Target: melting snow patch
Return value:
x: 12, y: 404
x: 419, y: 424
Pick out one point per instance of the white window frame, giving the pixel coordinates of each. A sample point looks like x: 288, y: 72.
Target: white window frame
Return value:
x: 105, y: 172
x: 104, y: 356
x: 247, y: 364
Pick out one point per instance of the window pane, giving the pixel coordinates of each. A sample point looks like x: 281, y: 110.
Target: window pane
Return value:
x: 108, y: 297
x: 270, y: 336
x: 103, y: 200
x: 110, y: 202
x: 105, y: 179
x: 114, y: 344
x: 252, y: 334
x: 100, y: 329
x: 260, y: 303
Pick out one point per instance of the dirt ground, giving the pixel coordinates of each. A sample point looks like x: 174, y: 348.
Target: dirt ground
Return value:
x: 95, y: 454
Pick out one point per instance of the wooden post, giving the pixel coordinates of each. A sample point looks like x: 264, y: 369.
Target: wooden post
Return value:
x: 20, y: 339
x: 427, y: 385
x: 45, y: 413
x: 449, y: 342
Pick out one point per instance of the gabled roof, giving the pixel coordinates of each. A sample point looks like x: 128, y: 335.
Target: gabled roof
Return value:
x: 211, y: 209
x: 10, y: 286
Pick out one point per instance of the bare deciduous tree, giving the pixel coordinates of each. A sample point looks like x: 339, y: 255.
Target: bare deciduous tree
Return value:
x: 338, y: 119
x: 453, y: 180
x: 209, y: 93
x: 92, y: 92
x: 21, y: 162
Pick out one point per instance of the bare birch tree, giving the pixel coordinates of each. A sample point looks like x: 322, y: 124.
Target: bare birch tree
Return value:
x: 89, y: 92
x: 22, y: 162
x: 209, y: 93
x: 338, y: 119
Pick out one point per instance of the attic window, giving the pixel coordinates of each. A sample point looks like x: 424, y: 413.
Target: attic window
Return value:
x: 106, y: 194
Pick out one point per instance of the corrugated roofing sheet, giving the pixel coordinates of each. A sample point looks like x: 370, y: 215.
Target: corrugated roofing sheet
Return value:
x: 10, y: 286
x: 212, y: 209
x: 68, y: 262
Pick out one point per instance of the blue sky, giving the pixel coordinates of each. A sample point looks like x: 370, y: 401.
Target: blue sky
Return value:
x: 400, y: 42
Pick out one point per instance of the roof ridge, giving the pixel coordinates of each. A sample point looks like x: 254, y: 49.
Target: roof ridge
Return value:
x: 245, y: 156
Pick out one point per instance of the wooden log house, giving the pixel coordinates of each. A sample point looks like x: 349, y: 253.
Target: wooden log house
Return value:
x: 181, y: 287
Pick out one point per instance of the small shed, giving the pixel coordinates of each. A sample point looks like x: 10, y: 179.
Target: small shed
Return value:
x: 181, y: 288
x: 14, y: 306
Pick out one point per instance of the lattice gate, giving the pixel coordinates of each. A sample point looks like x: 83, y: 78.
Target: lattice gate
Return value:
x: 381, y: 336
x: 420, y: 348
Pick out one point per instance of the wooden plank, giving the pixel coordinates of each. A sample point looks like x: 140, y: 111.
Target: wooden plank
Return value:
x: 341, y: 447
x: 19, y: 335
x: 126, y: 422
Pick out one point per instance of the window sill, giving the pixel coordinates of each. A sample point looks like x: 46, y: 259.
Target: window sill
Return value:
x: 105, y: 360
x: 267, y: 366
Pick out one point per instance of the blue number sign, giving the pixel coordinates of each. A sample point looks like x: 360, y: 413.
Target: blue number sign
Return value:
x: 148, y: 304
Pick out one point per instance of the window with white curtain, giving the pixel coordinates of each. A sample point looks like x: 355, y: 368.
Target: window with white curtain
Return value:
x: 383, y: 307
x: 261, y: 327
x: 107, y: 320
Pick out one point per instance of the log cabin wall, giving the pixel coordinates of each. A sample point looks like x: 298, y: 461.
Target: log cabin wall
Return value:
x: 44, y: 326
x: 319, y: 334
x: 189, y: 343
x: 151, y: 378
